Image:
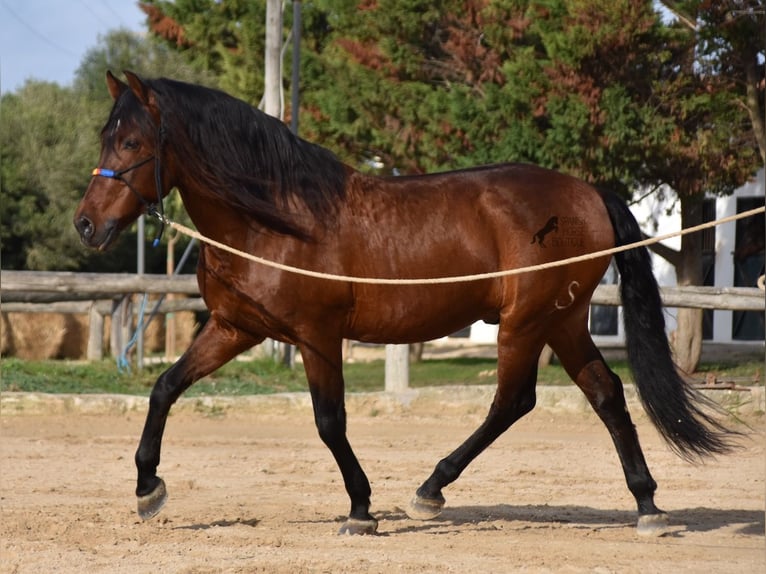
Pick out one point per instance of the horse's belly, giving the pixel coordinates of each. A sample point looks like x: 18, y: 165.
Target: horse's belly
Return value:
x: 418, y: 313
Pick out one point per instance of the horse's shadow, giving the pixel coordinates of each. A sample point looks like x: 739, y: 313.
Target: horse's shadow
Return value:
x: 224, y: 523
x: 748, y: 522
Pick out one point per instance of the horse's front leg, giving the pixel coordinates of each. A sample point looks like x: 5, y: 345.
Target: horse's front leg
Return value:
x: 325, y: 377
x: 216, y: 344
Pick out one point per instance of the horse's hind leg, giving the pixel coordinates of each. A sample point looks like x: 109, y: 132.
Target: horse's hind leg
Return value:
x: 603, y: 389
x: 216, y: 344
x: 515, y: 397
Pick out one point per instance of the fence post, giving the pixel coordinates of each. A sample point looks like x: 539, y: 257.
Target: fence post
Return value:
x: 397, y: 368
x: 122, y: 321
x: 95, y: 350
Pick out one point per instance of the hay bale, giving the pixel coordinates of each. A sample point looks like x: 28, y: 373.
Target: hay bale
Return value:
x: 75, y: 343
x: 40, y: 336
x: 185, y: 327
x: 37, y: 336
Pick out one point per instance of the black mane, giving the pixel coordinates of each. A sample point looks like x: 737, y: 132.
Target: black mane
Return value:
x: 246, y: 158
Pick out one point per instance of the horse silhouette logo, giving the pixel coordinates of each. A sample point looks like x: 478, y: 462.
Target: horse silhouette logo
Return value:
x: 551, y: 225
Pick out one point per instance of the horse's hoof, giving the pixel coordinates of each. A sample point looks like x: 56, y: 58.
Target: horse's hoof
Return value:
x: 150, y: 504
x: 653, y: 524
x: 425, y: 508
x: 354, y: 526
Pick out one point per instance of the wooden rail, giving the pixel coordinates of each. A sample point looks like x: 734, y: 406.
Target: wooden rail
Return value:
x: 40, y: 286
x: 17, y: 285
x: 695, y: 297
x: 95, y: 294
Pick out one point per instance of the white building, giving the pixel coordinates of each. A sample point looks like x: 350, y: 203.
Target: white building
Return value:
x: 659, y: 214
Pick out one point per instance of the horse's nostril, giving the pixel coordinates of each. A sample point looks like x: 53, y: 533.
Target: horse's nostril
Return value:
x: 84, y: 227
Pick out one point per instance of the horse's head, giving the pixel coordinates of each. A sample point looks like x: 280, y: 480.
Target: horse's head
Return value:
x: 128, y: 181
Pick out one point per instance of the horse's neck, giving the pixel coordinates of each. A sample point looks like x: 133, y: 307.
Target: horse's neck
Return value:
x: 212, y: 218
x: 220, y: 222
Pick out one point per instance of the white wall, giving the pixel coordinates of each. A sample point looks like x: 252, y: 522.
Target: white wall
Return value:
x: 660, y: 214
x: 724, y: 262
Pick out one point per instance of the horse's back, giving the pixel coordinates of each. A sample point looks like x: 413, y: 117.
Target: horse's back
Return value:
x: 513, y: 214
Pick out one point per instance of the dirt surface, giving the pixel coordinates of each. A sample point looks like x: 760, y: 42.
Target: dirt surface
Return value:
x: 260, y: 493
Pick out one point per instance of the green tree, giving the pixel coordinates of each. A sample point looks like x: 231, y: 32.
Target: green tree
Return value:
x: 713, y: 109
x: 731, y: 35
x: 45, y: 152
x: 602, y: 89
x: 223, y: 38
x: 50, y: 144
x: 123, y: 50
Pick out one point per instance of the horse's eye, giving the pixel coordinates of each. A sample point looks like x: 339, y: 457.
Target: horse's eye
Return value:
x: 130, y: 145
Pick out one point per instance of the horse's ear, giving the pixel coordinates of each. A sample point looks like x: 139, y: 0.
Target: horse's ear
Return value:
x: 115, y: 86
x: 144, y: 93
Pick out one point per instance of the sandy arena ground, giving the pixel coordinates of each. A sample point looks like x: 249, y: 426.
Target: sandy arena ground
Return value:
x: 258, y: 492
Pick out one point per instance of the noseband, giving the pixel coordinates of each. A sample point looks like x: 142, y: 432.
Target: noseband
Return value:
x: 153, y: 209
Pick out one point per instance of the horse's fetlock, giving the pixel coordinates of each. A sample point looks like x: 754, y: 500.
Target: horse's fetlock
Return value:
x: 642, y: 487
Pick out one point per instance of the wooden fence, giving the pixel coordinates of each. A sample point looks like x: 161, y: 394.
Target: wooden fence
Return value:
x: 101, y: 294
x: 45, y: 287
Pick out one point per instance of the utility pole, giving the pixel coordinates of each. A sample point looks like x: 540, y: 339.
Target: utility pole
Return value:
x: 272, y: 97
x: 272, y: 105
x: 296, y: 75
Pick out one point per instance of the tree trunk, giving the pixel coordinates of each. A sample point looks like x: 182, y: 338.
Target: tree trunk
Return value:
x: 752, y: 96
x: 687, y: 339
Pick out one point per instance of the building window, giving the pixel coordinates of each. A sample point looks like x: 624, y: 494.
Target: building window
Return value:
x: 603, y: 318
x: 708, y: 263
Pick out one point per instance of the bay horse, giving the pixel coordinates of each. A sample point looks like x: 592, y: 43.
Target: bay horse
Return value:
x: 246, y: 181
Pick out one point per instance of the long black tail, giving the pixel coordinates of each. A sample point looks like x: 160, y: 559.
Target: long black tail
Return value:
x: 675, y: 408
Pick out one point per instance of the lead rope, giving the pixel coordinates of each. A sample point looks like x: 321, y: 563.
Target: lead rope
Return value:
x: 459, y: 278
x: 123, y: 364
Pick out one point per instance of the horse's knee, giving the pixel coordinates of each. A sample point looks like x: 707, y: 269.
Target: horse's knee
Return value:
x: 526, y: 401
x: 169, y: 386
x: 159, y: 397
x: 516, y: 406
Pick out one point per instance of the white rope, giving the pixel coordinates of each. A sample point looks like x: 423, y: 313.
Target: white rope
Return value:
x: 459, y: 278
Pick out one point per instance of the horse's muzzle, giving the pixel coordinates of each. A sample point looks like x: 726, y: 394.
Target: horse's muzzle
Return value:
x: 93, y: 237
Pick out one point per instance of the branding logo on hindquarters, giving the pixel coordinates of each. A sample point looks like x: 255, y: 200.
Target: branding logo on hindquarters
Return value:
x: 551, y: 225
x: 571, y: 293
x: 570, y: 232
